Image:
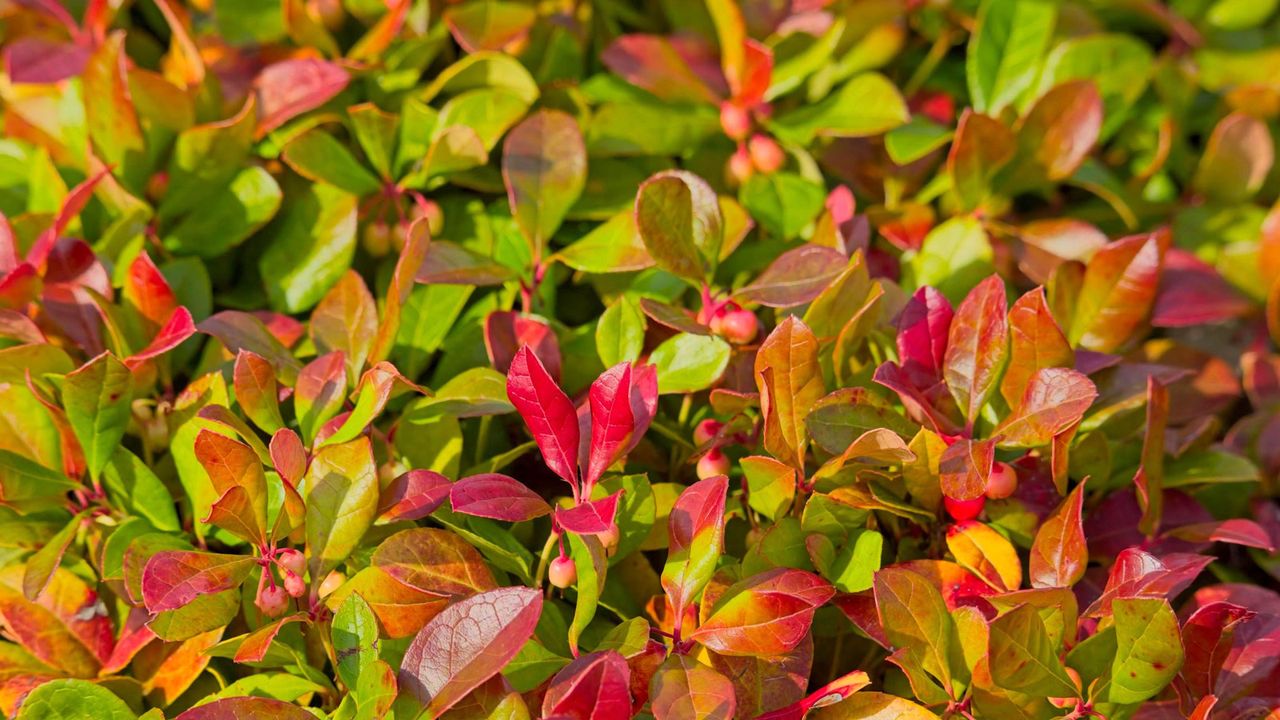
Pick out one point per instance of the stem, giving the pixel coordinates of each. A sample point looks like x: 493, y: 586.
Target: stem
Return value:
x: 930, y: 63
x: 482, y: 437
x: 686, y: 406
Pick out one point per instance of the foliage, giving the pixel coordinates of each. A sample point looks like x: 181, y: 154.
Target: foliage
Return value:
x: 678, y: 359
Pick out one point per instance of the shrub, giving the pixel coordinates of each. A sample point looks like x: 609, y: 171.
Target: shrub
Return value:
x: 499, y: 359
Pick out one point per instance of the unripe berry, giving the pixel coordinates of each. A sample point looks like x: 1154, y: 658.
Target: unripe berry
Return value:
x: 712, y: 464
x: 961, y: 510
x: 766, y: 155
x: 738, y: 169
x: 293, y: 584
x: 562, y: 573
x: 1002, y: 481
x: 272, y: 600
x: 735, y: 120
x: 738, y: 327
x: 376, y: 238
x: 706, y: 430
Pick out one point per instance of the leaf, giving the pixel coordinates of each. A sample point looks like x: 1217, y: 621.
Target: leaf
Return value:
x: 413, y: 495
x: 506, y: 332
x: 590, y: 517
x: 684, y: 689
x: 623, y: 402
x: 73, y: 700
x: 45, y: 561
x: 173, y: 578
x: 977, y: 346
x: 1236, y: 159
x: 1005, y: 50
x: 1023, y: 658
x: 688, y: 363
x: 782, y: 600
x: 242, y: 331
x: 341, y: 493
x: 784, y: 203
x: 1055, y: 400
x: 869, y: 104
x: 1059, y: 553
x: 790, y: 384
x: 986, y: 553
x: 289, y: 88
x: 97, y: 398
x: 1035, y: 342
x: 319, y: 392
x: 147, y: 291
x: 433, y: 561
x: 235, y: 471
x: 592, y: 687
x: 696, y: 534
x: 1149, y: 480
x: 1059, y: 132
x: 915, y: 617
x: 679, y: 220
x: 544, y: 166
x: 313, y: 239
x: 466, y: 644
x: 354, y: 634
x: 620, y: 332
x: 982, y: 147
x: 796, y: 277
x: 256, y: 390
x: 317, y: 155
x: 112, y: 121
x: 657, y: 65
x: 613, y: 246
x: 496, y: 496
x: 1207, y: 639
x: 1117, y: 293
x: 489, y: 25
x: 346, y: 319
x: 1149, y: 649
x: 547, y: 411
x: 771, y: 485
x: 954, y: 257
x: 246, y: 708
x: 591, y: 564
x: 964, y: 467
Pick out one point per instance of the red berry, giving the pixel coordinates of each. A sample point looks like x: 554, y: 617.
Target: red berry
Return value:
x: 738, y: 169
x: 712, y: 464
x: 738, y: 327
x: 705, y: 431
x: 1002, y: 481
x: 272, y: 600
x: 291, y: 560
x: 961, y: 510
x: 766, y: 155
x: 562, y: 572
x: 735, y: 120
x: 293, y: 584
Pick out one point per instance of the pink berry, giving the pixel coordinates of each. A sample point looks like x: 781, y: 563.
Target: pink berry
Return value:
x: 766, y: 155
x: 712, y: 464
x: 272, y: 600
x: 705, y: 431
x: 562, y: 573
x: 738, y: 169
x: 738, y: 327
x: 1002, y: 481
x: 291, y: 560
x: 961, y: 510
x: 735, y: 120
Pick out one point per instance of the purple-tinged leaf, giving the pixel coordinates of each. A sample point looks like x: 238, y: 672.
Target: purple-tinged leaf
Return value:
x: 246, y: 708
x: 466, y: 644
x: 433, y: 561
x: 593, y: 687
x: 796, y: 277
x: 505, y: 332
x: 1192, y: 293
x: 497, y: 496
x: 977, y: 346
x: 624, y: 400
x: 413, y: 495
x: 1236, y: 531
x: 590, y: 518
x: 544, y: 166
x: 173, y: 578
x: 1207, y: 640
x: 291, y: 87
x: 658, y: 65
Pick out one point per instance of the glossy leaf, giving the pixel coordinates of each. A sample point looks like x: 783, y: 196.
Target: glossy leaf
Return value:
x: 696, y: 534
x: 790, y: 383
x: 546, y: 410
x: 97, y: 398
x: 977, y: 347
x: 683, y: 689
x: 341, y: 492
x: 496, y: 496
x: 544, y: 165
x: 1059, y: 554
x: 679, y: 219
x: 782, y: 600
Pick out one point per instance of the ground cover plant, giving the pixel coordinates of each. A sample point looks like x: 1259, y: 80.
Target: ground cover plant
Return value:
x: 684, y: 359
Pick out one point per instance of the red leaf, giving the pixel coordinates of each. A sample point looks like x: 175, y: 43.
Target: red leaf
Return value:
x: 1059, y: 553
x: 497, y: 496
x: 695, y: 531
x: 254, y: 380
x: 72, y: 204
x: 547, y: 411
x: 977, y: 343
x: 466, y: 644
x: 1139, y: 574
x: 319, y: 392
x: 1207, y: 638
x: 38, y: 61
x: 965, y: 467
x: 684, y: 689
x: 173, y: 578
x: 1193, y: 293
x: 1055, y: 399
x: 829, y: 694
x: 589, y: 518
x: 292, y: 87
x: 1035, y: 342
x: 505, y: 332
x: 656, y: 64
x: 767, y: 614
x: 148, y: 291
x: 593, y: 687
x: 1117, y: 292
x: 923, y: 329
x: 178, y: 329
x: 255, y: 646
x: 244, y: 331
x: 413, y: 495
x: 1237, y: 531
x: 288, y: 456
x: 246, y: 708
x: 623, y: 402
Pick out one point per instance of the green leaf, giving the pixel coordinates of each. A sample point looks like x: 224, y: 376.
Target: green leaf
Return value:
x: 544, y: 166
x: 74, y: 700
x: 312, y: 243
x: 689, y: 363
x: 783, y: 203
x: 613, y: 246
x: 1005, y: 50
x: 591, y: 563
x: 134, y: 487
x: 316, y: 155
x: 97, y: 398
x: 1208, y: 466
x: 1149, y: 649
x: 955, y: 256
x: 354, y: 632
x: 1119, y: 65
x: 869, y: 104
x: 341, y: 492
x: 1023, y: 658
x: 916, y: 619
x: 620, y: 332
x: 910, y: 142
x: 679, y: 220
x: 226, y: 214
